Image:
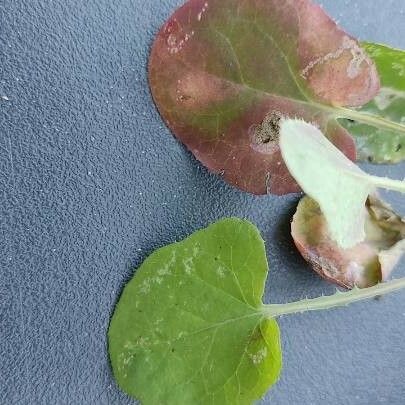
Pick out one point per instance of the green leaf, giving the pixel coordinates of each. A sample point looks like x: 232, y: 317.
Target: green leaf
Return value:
x: 378, y: 144
x: 337, y: 184
x: 189, y: 326
x: 223, y: 73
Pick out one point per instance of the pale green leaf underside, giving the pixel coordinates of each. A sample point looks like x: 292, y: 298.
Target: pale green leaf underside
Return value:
x: 378, y: 144
x: 325, y: 174
x: 189, y: 326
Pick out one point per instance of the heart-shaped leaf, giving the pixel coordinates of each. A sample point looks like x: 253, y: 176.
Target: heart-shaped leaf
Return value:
x: 223, y: 73
x: 337, y: 184
x: 380, y: 144
x: 364, y: 265
x: 189, y: 327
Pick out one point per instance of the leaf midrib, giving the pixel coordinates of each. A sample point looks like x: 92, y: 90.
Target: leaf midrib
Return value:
x: 331, y: 111
x: 216, y: 325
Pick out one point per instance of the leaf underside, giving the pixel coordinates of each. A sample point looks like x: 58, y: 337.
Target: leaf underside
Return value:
x: 223, y: 73
x: 374, y: 144
x: 324, y: 173
x: 188, y: 328
x: 339, y: 187
x: 364, y: 265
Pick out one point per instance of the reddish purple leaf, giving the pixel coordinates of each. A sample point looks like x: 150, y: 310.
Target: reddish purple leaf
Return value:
x: 223, y: 72
x: 363, y: 265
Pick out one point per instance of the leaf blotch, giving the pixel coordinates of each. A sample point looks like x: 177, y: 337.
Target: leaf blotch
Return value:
x: 266, y: 135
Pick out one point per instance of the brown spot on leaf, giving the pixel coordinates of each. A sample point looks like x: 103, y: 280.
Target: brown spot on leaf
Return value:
x: 266, y: 135
x: 198, y: 90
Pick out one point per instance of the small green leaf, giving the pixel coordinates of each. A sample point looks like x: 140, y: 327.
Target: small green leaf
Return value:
x: 378, y: 144
x: 189, y: 327
x: 337, y: 184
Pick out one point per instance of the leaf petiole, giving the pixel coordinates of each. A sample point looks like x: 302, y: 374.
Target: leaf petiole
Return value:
x: 389, y: 184
x: 380, y: 182
x: 339, y: 299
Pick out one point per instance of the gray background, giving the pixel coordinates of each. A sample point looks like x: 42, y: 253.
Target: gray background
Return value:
x: 91, y: 182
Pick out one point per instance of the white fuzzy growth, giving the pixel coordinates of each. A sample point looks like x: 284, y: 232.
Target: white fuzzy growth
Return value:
x: 259, y: 356
x: 188, y: 265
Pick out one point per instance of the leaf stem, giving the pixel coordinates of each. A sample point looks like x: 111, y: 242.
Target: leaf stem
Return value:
x: 389, y: 184
x: 369, y: 119
x: 380, y: 182
x: 337, y: 300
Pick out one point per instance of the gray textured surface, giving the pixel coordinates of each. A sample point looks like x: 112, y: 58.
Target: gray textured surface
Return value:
x: 91, y: 181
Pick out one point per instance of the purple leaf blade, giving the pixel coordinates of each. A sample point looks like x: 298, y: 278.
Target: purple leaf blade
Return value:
x: 223, y: 73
